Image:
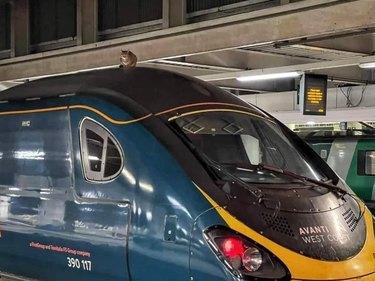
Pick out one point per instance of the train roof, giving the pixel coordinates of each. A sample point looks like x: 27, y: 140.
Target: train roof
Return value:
x: 329, y: 136
x: 344, y: 138
x: 152, y: 90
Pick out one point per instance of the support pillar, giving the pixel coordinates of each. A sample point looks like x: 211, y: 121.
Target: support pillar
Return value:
x: 174, y: 13
x: 20, y: 28
x: 87, y: 21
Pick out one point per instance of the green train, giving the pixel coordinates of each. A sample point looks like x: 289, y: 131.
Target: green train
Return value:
x: 352, y: 157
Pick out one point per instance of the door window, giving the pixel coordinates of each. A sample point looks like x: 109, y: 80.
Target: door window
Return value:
x: 370, y: 163
x: 102, y: 156
x: 366, y: 162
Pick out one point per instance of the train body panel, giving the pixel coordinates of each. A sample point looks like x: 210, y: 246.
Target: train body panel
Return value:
x: 59, y: 215
x: 109, y: 176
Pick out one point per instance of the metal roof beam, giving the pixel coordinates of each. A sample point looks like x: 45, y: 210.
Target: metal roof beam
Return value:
x: 309, y: 18
x: 285, y: 108
x: 299, y: 67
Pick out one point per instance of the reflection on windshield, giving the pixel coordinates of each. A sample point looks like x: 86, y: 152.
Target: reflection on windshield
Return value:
x: 238, y: 141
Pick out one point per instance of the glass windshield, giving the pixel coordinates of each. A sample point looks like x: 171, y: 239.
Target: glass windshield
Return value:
x: 238, y: 141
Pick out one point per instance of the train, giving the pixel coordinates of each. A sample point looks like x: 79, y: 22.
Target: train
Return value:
x: 144, y: 174
x: 352, y: 156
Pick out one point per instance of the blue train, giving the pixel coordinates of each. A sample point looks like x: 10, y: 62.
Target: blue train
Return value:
x: 142, y: 174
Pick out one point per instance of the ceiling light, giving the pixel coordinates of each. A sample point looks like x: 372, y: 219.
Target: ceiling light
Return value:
x: 367, y: 65
x: 310, y: 123
x: 268, y: 76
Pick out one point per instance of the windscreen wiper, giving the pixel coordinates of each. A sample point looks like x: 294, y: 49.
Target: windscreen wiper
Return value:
x: 343, y: 192
x: 331, y: 187
x: 256, y: 192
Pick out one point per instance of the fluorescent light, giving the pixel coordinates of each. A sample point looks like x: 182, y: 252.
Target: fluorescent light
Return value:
x: 310, y: 123
x: 269, y: 76
x: 367, y: 65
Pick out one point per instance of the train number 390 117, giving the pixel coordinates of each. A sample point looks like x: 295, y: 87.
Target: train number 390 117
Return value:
x: 79, y: 264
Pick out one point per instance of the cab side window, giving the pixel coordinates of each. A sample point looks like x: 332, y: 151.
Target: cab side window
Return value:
x: 102, y: 156
x: 366, y: 163
x: 370, y: 163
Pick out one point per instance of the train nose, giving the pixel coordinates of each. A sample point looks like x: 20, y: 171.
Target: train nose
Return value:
x: 332, y: 244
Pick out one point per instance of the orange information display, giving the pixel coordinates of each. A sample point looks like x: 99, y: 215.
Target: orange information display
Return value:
x: 313, y: 93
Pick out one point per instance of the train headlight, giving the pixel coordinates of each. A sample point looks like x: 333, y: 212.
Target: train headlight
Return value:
x: 252, y: 259
x: 242, y: 256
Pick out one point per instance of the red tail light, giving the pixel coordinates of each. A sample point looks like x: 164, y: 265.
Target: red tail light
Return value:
x: 232, y: 247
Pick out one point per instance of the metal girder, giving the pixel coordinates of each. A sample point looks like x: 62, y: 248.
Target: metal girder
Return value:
x: 285, y: 108
x: 281, y: 69
x: 336, y: 115
x: 244, y: 59
x: 309, y: 18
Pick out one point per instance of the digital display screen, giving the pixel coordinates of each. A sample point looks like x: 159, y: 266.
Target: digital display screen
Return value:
x: 313, y: 91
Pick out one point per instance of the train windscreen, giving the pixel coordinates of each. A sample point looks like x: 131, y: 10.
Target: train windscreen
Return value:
x: 241, y: 142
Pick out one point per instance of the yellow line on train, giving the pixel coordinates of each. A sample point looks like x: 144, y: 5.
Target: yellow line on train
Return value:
x: 58, y: 108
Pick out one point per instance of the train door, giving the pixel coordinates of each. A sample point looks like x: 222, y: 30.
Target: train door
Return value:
x: 35, y: 179
x: 100, y: 214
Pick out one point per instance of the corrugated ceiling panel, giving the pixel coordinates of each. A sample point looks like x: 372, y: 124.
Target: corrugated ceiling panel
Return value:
x: 4, y: 27
x: 117, y: 13
x: 51, y: 20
